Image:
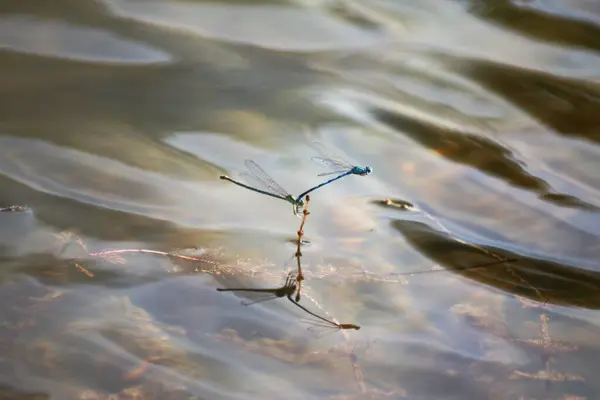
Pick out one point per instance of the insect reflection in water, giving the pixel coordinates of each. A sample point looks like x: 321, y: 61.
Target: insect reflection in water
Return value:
x: 287, y: 290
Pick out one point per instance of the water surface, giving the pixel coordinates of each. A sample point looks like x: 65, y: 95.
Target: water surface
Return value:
x: 479, y: 118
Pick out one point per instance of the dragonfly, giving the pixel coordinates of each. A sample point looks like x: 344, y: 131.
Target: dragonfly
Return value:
x: 321, y: 325
x: 339, y: 166
x: 287, y: 290
x: 265, y: 185
x: 320, y: 329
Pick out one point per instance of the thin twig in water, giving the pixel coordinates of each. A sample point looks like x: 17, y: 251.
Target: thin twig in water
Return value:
x: 112, y: 256
x: 471, y: 267
x: 145, y: 251
x: 67, y: 239
x: 300, y: 276
x: 81, y: 269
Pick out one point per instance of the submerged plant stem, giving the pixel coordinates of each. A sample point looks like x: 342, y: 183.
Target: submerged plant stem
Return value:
x: 300, y: 276
x: 146, y: 251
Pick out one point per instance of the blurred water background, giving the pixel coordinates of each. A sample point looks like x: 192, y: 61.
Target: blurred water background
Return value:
x: 480, y: 119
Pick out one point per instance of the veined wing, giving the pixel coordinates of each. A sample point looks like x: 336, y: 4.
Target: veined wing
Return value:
x: 332, y: 164
x: 328, y: 159
x: 257, y: 297
x: 318, y: 328
x: 260, y: 185
x: 259, y: 177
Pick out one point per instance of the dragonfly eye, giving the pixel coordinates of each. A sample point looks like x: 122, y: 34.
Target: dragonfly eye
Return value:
x: 368, y: 170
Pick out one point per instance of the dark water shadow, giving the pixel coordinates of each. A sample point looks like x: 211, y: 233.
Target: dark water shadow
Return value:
x: 568, y: 106
x: 53, y: 271
x: 533, y: 278
x: 155, y: 99
x: 582, y: 242
x: 112, y: 270
x: 62, y: 9
x: 486, y: 155
x: 9, y: 393
x: 90, y: 220
x: 559, y: 29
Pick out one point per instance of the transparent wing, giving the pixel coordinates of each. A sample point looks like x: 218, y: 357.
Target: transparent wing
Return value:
x: 254, y: 298
x: 332, y: 164
x: 329, y: 157
x: 319, y: 329
x: 261, y: 185
x: 261, y: 179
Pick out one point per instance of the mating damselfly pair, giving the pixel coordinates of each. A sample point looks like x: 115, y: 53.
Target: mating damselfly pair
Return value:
x: 264, y: 184
x: 320, y: 325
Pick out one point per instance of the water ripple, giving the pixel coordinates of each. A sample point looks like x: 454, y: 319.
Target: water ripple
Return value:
x: 275, y: 27
x: 60, y: 39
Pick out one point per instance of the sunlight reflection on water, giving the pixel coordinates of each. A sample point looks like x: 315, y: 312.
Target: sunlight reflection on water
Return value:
x: 481, y: 129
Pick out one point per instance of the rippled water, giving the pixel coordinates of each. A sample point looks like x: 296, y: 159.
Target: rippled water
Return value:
x: 479, y: 118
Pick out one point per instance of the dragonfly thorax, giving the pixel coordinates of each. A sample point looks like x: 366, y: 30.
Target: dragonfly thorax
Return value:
x: 362, y: 170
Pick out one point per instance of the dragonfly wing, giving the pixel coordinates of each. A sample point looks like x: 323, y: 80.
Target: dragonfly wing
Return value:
x: 332, y: 164
x: 257, y: 183
x: 259, y: 299
x: 326, y: 153
x: 323, y: 150
x: 319, y: 329
x: 265, y: 180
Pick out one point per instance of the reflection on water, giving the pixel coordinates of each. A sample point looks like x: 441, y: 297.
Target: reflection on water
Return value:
x: 24, y: 33
x: 479, y: 118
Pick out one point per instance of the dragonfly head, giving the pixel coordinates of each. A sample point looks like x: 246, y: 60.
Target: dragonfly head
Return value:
x: 367, y: 171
